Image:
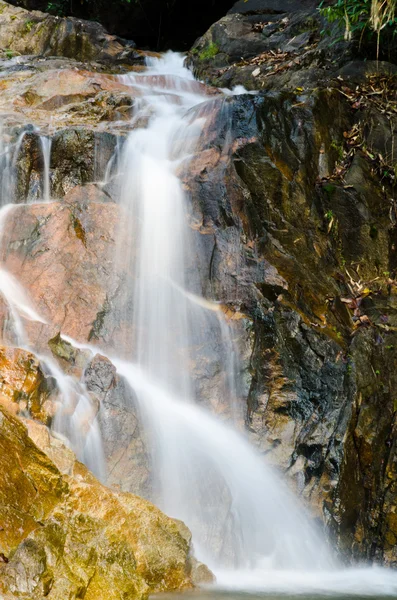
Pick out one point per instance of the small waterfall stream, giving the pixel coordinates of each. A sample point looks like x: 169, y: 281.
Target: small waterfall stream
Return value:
x: 46, y: 142
x: 246, y: 524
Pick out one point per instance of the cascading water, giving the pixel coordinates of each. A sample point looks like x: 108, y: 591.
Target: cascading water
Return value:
x: 246, y: 524
x: 76, y: 417
x: 239, y: 512
x: 241, y: 515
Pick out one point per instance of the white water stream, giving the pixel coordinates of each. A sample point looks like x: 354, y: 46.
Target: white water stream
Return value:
x: 246, y: 524
x: 46, y: 143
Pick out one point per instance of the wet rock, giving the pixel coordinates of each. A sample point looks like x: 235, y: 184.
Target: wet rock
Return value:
x: 62, y: 255
x: 287, y: 242
x: 294, y: 239
x: 71, y: 92
x: 67, y: 534
x: 77, y: 156
x: 367, y: 486
x: 91, y: 192
x: 24, y: 388
x: 75, y: 160
x: 128, y: 459
x: 72, y: 360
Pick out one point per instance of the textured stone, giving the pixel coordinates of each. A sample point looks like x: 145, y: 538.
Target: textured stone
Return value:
x: 62, y: 254
x: 34, y: 32
x: 64, y: 534
x: 23, y: 386
x: 268, y: 45
x: 126, y: 449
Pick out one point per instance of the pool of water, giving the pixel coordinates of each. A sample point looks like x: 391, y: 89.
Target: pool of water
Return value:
x: 365, y: 583
x: 217, y: 594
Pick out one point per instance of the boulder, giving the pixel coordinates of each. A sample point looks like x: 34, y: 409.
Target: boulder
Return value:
x: 71, y: 92
x: 268, y: 45
x: 127, y: 451
x: 64, y: 534
x: 24, y: 389
x: 35, y: 32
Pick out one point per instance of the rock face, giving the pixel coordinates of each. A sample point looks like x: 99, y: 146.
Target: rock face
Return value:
x: 63, y: 534
x: 315, y: 276
x: 61, y: 240
x: 307, y: 187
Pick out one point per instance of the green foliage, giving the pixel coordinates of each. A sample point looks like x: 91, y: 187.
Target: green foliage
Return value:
x: 363, y: 19
x: 329, y: 188
x: 29, y: 25
x: 209, y: 52
x: 61, y: 8
x: 56, y: 8
x: 353, y: 14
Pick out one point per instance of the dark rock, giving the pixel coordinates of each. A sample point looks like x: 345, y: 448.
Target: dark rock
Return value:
x: 264, y: 186
x: 268, y: 45
x: 78, y: 156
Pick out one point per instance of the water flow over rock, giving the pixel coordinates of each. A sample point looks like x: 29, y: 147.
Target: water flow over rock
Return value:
x: 76, y: 417
x: 205, y: 472
x: 240, y: 514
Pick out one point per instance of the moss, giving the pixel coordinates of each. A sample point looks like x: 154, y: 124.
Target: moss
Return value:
x: 62, y: 349
x: 329, y: 188
x: 373, y: 232
x: 338, y: 147
x: 209, y: 52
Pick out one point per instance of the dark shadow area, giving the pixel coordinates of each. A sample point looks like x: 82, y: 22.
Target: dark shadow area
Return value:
x: 151, y: 24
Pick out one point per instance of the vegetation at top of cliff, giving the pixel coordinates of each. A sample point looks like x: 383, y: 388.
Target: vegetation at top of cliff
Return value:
x: 64, y: 7
x: 364, y: 20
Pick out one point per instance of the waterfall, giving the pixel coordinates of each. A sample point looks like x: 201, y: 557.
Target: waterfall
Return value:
x: 240, y: 513
x: 246, y: 524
